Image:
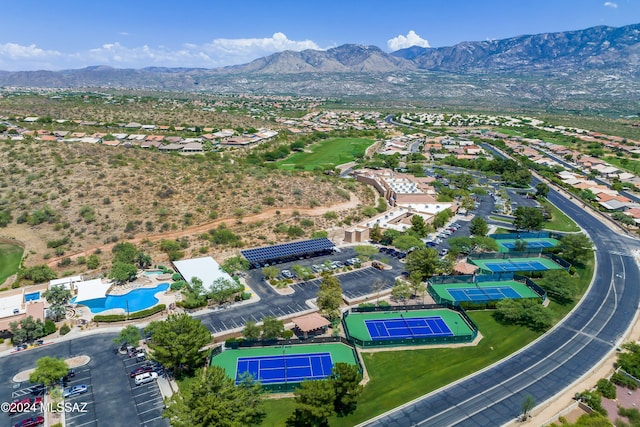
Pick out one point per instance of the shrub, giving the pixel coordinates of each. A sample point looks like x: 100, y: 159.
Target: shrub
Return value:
x: 246, y: 296
x: 288, y: 334
x: 606, y: 388
x: 624, y: 381
x: 49, y: 327
x: 109, y: 318
x: 384, y: 304
x: 64, y: 329
x: 176, y: 286
x: 148, y: 312
x: 176, y: 277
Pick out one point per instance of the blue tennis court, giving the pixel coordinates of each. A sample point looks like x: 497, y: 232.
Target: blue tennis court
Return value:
x: 531, y: 244
x: 410, y: 327
x: 287, y: 368
x: 483, y: 293
x: 516, y: 266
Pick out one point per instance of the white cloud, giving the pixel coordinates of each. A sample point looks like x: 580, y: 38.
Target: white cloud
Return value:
x: 611, y: 4
x: 217, y: 53
x: 402, y: 42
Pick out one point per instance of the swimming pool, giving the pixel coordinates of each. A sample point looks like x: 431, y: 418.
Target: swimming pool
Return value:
x: 153, y: 273
x: 136, y: 300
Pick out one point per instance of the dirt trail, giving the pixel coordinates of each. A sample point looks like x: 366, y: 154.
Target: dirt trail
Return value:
x: 203, y: 228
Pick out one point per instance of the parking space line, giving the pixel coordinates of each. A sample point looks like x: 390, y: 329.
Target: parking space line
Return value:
x: 148, y: 391
x: 152, y: 409
x: 153, y: 419
x: 87, y: 423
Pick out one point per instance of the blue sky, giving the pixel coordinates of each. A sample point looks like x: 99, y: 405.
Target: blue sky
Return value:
x: 64, y: 34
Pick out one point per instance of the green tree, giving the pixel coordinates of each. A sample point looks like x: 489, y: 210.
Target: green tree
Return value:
x: 345, y: 379
x: 441, y: 218
x: 401, y: 291
x: 542, y: 189
x: 143, y: 260
x: 629, y: 358
x: 418, y: 226
x: 314, y: 404
x: 423, y: 261
x: 406, y: 242
x: 123, y: 272
x: 129, y: 335
x: 124, y: 252
x: 365, y: 252
x: 528, y: 218
x: 528, y: 404
x: 270, y: 272
x: 177, y: 342
x: 26, y: 330
x: 251, y: 331
x: 272, y: 328
x: 418, y: 287
x: 478, y: 226
x: 58, y: 297
x: 235, y: 264
x: 559, y: 284
x: 49, y: 371
x: 520, y: 245
x: 37, y: 273
x: 93, y: 262
x: 329, y: 297
x: 575, y: 248
x: 606, y: 388
x: 213, y: 399
x: 375, y: 234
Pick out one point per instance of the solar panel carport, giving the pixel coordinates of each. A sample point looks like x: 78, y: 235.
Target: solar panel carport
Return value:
x: 259, y: 257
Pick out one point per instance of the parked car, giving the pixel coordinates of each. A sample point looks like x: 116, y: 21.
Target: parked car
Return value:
x: 287, y: 274
x: 147, y: 377
x: 444, y: 252
x: 140, y: 370
x: 378, y: 265
x: 431, y: 244
x: 30, y: 422
x: 75, y: 390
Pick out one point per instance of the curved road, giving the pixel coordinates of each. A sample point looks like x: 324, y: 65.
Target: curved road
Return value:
x: 556, y: 360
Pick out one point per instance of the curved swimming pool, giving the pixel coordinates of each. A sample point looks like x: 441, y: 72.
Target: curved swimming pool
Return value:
x: 135, y: 300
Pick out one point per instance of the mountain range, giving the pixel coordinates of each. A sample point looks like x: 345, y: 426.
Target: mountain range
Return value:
x: 597, y: 65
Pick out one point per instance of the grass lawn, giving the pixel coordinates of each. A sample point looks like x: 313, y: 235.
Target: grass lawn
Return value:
x: 327, y: 154
x: 400, y: 376
x: 10, y: 256
x: 630, y: 165
x: 559, y: 221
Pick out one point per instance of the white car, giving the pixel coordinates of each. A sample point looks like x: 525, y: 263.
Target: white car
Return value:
x: 146, y: 377
x: 75, y: 390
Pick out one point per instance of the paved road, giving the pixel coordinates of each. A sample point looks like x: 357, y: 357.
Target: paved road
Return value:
x: 559, y: 358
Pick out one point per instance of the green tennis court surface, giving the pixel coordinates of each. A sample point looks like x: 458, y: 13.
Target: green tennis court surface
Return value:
x: 516, y: 264
x: 443, y: 322
x: 455, y: 293
x: 284, y: 364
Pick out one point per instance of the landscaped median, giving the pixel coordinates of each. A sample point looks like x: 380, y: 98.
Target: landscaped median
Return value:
x: 109, y: 318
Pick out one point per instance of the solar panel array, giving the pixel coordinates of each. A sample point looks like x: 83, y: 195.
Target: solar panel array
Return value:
x: 283, y: 251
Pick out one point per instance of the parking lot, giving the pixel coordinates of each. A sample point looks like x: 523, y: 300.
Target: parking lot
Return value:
x: 357, y: 283
x: 147, y: 397
x: 83, y: 411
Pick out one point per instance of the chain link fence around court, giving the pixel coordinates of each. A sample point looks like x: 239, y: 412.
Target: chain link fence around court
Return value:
x: 403, y: 342
x: 284, y: 387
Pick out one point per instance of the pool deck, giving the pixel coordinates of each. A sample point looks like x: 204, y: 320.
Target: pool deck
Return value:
x: 164, y: 297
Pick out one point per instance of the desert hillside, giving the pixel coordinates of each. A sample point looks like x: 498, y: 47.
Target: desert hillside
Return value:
x: 65, y: 199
